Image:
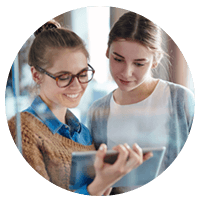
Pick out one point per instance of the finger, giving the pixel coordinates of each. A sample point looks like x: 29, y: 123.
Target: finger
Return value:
x: 130, y: 151
x: 122, y: 156
x: 107, y: 192
x: 135, y: 158
x: 99, y: 159
x: 138, y: 150
x: 147, y: 156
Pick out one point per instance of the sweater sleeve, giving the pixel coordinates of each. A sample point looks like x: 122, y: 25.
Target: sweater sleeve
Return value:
x: 82, y: 190
x: 30, y: 148
x: 189, y: 107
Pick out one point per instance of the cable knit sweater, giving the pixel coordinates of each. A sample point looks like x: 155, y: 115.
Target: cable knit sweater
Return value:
x: 48, y: 154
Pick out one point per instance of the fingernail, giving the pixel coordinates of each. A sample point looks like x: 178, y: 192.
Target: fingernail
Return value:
x: 127, y: 146
x: 123, y: 147
x: 137, y: 146
x: 101, y: 148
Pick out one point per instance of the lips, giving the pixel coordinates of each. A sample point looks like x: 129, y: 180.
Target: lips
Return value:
x: 72, y: 96
x: 124, y: 82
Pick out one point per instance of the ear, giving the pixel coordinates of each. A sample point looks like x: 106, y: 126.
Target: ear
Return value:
x: 37, y: 76
x: 154, y: 65
x: 107, y: 52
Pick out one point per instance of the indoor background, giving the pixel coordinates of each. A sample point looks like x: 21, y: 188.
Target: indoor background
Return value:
x: 92, y: 24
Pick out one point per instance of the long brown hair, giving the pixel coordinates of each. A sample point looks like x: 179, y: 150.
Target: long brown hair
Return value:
x: 134, y: 27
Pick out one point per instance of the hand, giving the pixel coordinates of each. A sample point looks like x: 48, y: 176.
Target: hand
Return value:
x: 107, y: 174
x: 107, y: 192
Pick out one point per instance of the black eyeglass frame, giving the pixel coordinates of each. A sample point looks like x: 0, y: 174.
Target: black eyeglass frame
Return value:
x: 72, y: 76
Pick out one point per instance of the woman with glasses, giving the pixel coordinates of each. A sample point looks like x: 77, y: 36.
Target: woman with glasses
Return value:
x: 50, y: 132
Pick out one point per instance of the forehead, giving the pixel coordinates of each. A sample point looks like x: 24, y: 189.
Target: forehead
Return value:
x: 71, y: 60
x: 130, y: 49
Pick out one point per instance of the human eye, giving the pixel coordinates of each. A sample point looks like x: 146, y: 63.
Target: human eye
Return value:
x: 83, y: 74
x: 64, y: 77
x: 139, y: 64
x: 118, y: 59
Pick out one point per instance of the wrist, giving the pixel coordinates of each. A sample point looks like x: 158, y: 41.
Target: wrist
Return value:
x: 96, y: 188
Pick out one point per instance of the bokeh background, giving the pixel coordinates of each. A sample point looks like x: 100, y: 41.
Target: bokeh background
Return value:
x: 92, y: 24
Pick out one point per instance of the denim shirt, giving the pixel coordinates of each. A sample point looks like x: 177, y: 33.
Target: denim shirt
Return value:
x: 73, y: 129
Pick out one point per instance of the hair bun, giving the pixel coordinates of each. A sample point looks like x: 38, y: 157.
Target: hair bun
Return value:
x: 47, y: 26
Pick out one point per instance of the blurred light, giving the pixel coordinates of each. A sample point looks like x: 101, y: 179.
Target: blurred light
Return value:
x: 98, y: 30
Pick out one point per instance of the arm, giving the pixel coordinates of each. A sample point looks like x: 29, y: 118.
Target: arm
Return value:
x: 30, y: 148
x: 34, y: 157
x: 189, y: 107
x: 84, y: 191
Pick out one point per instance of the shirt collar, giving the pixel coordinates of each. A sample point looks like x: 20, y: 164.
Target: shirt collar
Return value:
x: 72, y: 122
x: 51, y: 121
x: 46, y: 115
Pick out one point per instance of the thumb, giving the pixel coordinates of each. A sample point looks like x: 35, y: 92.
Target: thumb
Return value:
x: 99, y: 159
x: 107, y: 192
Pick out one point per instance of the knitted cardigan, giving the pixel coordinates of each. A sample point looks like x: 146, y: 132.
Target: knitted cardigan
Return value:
x: 48, y: 154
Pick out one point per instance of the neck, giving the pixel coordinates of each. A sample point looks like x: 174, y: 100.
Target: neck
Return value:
x: 58, y: 111
x: 137, y: 94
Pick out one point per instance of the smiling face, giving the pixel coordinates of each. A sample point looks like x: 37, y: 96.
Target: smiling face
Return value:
x: 130, y: 64
x: 65, y: 60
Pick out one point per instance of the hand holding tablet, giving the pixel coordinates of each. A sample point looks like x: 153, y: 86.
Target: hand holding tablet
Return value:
x: 111, y: 155
x: 124, y: 172
x: 107, y: 174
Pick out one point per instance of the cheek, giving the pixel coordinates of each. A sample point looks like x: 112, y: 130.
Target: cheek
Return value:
x: 84, y: 86
x: 49, y: 87
x: 148, y: 70
x: 145, y: 70
x: 114, y: 68
x: 141, y: 72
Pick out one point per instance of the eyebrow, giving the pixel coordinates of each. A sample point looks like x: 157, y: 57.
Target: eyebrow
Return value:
x: 66, y: 72
x: 139, y: 59
x: 118, y: 54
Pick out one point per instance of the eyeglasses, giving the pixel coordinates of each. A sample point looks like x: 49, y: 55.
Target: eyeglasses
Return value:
x: 65, y: 79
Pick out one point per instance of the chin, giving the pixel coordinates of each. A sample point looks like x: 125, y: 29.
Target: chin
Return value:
x: 128, y: 88
x: 72, y: 105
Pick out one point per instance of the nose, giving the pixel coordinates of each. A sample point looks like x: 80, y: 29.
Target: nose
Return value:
x: 75, y: 83
x: 127, y: 71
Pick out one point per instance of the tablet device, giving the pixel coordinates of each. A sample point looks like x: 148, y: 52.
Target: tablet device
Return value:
x: 82, y: 169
